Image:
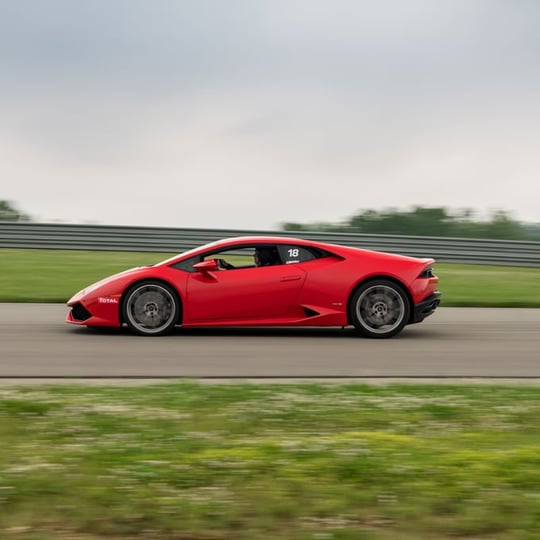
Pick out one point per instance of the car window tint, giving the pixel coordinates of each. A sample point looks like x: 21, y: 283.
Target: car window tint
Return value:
x: 239, y: 257
x: 243, y: 257
x: 291, y: 254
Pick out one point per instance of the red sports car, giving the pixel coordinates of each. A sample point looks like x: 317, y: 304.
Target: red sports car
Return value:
x: 265, y: 281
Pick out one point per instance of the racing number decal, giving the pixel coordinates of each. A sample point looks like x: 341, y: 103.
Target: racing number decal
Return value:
x: 294, y: 254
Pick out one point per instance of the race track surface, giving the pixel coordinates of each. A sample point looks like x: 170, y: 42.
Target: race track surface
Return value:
x: 454, y: 342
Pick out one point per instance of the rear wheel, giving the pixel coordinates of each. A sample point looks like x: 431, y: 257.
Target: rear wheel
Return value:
x: 379, y: 309
x: 150, y: 308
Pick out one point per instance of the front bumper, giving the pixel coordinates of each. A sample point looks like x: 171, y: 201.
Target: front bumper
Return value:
x: 101, y: 311
x: 426, y: 307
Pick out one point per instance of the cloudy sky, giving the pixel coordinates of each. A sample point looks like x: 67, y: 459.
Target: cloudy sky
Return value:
x: 246, y: 114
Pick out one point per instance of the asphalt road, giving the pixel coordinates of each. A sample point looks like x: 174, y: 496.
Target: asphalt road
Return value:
x: 454, y: 342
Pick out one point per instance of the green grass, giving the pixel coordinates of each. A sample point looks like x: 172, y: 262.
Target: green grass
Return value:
x: 42, y: 275
x: 185, y: 461
x: 55, y: 275
x: 489, y: 286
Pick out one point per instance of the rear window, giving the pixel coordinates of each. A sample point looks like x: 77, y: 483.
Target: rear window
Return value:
x: 291, y: 254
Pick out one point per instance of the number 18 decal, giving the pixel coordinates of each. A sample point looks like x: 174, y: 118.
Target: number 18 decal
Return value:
x: 294, y: 252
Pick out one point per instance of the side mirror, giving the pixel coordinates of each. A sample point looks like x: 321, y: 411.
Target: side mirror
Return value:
x: 209, y: 265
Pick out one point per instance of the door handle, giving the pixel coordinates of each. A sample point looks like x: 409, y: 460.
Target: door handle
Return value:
x: 290, y: 278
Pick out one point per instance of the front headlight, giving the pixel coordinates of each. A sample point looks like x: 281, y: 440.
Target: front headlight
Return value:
x: 90, y: 288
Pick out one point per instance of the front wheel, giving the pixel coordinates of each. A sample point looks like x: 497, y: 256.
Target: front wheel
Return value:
x: 150, y: 308
x: 379, y: 309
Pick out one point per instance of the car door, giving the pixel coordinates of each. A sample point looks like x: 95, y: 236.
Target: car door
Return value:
x: 242, y: 294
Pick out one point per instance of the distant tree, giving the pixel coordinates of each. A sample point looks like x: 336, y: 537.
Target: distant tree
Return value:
x: 289, y: 226
x: 502, y: 226
x: 419, y: 221
x: 425, y: 221
x: 532, y: 231
x: 319, y: 226
x: 8, y: 212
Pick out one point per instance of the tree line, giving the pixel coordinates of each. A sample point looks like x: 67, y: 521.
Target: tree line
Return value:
x: 9, y: 212
x: 418, y: 221
x: 427, y: 221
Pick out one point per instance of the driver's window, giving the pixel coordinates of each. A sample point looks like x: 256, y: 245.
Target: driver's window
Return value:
x: 235, y: 258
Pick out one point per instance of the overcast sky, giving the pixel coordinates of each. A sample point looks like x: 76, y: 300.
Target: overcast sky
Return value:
x: 246, y: 114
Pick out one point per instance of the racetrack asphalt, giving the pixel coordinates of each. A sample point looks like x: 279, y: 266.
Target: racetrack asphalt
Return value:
x: 453, y: 343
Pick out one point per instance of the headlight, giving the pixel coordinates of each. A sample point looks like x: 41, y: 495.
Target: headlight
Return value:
x: 91, y: 288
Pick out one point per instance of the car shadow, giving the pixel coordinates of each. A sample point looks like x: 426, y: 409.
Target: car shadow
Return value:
x: 266, y: 331
x: 412, y: 332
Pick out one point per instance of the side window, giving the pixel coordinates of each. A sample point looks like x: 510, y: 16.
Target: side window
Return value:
x: 247, y: 256
x: 240, y: 257
x: 229, y: 259
x: 291, y: 254
x: 255, y: 255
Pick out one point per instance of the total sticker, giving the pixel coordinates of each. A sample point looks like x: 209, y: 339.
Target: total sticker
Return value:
x: 107, y: 300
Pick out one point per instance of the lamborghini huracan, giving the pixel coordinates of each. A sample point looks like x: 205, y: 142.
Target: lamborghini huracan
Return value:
x: 265, y: 281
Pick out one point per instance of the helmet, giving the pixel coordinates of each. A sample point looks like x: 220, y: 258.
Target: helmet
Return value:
x: 267, y: 256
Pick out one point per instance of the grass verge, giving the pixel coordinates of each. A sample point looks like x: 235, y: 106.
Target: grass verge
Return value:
x: 43, y: 275
x: 185, y: 461
x: 55, y: 275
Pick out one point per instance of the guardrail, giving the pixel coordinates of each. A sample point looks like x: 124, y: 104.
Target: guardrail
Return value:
x: 159, y: 239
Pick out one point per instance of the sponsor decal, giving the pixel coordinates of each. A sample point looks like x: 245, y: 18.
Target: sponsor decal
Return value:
x: 107, y: 300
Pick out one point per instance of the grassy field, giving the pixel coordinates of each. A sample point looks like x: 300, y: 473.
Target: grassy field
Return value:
x: 54, y: 276
x: 347, y: 462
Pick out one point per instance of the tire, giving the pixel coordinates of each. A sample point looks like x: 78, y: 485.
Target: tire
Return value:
x: 151, y: 308
x: 379, y: 309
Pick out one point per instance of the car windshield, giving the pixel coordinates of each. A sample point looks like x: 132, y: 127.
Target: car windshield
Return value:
x: 190, y: 251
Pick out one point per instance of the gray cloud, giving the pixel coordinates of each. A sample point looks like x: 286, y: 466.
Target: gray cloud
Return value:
x: 245, y: 114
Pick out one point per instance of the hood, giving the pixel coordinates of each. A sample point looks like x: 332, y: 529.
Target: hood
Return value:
x: 90, y: 289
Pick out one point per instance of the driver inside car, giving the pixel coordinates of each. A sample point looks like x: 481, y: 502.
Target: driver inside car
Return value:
x: 224, y: 265
x: 263, y: 256
x: 266, y: 256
